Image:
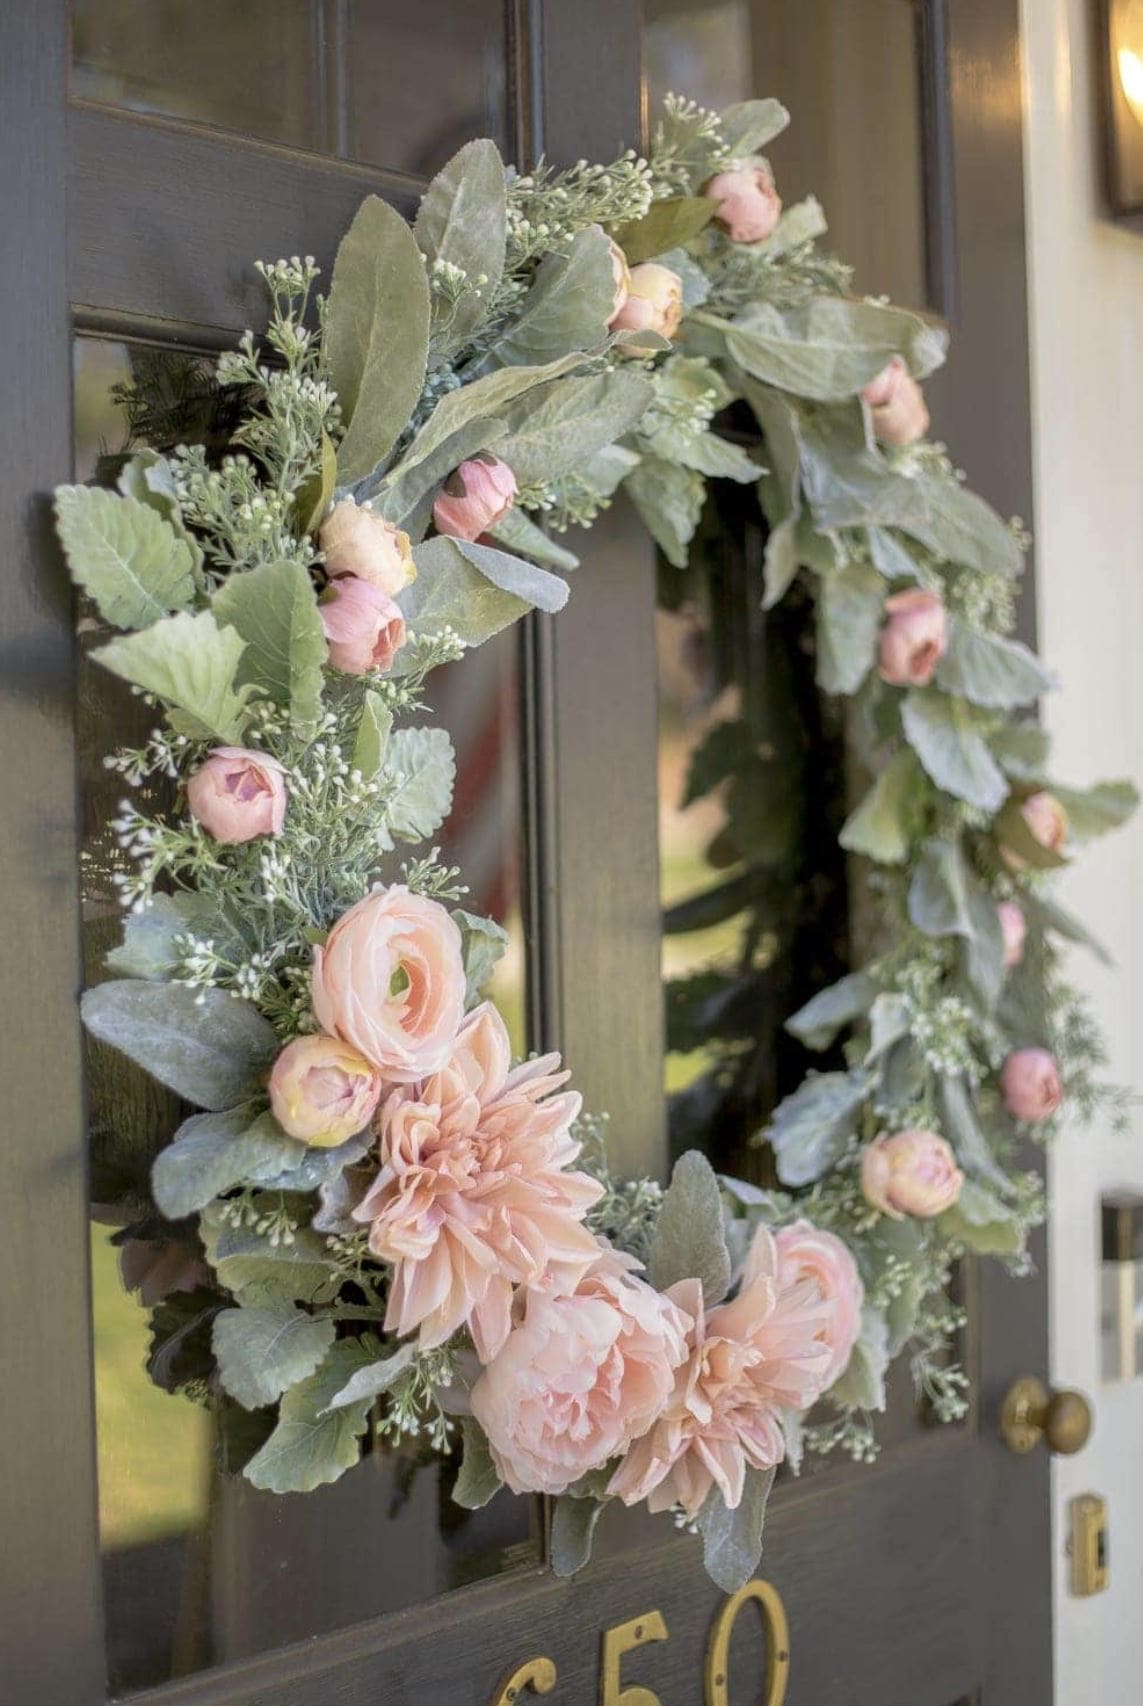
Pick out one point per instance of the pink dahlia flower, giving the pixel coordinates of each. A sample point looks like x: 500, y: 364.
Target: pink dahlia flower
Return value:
x: 581, y: 1376
x: 749, y: 1359
x: 474, y: 1195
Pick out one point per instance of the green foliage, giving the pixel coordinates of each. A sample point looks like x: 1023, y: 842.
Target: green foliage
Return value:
x: 811, y: 1129
x: 667, y: 224
x: 568, y: 306
x: 462, y: 224
x: 262, y: 1352
x: 989, y: 669
x: 274, y: 610
x: 474, y: 591
x: 950, y: 743
x: 732, y: 1539
x: 850, y: 607
x: 126, y: 557
x: 828, y: 348
x: 669, y: 499
x: 573, y: 1529
x: 205, y: 1046
x: 372, y: 739
x: 191, y: 664
x: 883, y: 826
x: 554, y: 429
x: 421, y: 765
x: 819, y: 1021
x: 689, y: 1239
x: 477, y: 1481
x: 313, y: 1444
x: 862, y: 1385
x: 484, y: 944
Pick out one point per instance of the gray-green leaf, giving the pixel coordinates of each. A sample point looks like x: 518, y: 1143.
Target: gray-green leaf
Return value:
x: 313, y: 1445
x: 478, y: 1481
x: 689, y: 1240
x: 732, y: 1539
x: 551, y: 431
x: 422, y: 765
x: 573, y: 1528
x: 274, y: 609
x: 810, y: 1129
x: 862, y: 1385
x: 938, y: 892
x: 204, y: 1045
x: 748, y: 126
x: 484, y: 944
x: 373, y: 733
x: 944, y: 734
x: 670, y: 500
x: 568, y: 306
x: 883, y: 824
x: 851, y: 602
x: 829, y: 348
x: 376, y: 1377
x: 520, y: 536
x: 818, y: 1022
x: 149, y: 946
x: 475, y: 590
x: 261, y: 1352
x: 191, y: 664
x: 462, y: 220
x: 212, y: 1152
x: 123, y: 554
x: 961, y: 1127
x: 989, y: 669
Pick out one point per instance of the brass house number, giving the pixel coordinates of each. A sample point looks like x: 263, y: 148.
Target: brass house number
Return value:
x: 539, y: 1676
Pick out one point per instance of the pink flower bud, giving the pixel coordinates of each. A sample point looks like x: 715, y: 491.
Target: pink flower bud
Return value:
x: 236, y: 794
x: 897, y: 404
x: 1030, y: 1085
x: 622, y: 274
x: 748, y: 204
x: 1047, y: 820
x: 806, y: 1253
x: 322, y: 1091
x: 654, y: 301
x: 1013, y: 928
x: 365, y: 629
x: 355, y: 541
x: 476, y: 497
x: 911, y: 1173
x: 913, y: 639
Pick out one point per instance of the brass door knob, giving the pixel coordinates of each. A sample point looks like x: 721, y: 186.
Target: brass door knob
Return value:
x: 1030, y: 1413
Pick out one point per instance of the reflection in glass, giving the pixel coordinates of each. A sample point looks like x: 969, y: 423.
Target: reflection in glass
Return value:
x: 752, y: 798
x: 850, y: 73
x: 200, y: 1568
x: 316, y: 74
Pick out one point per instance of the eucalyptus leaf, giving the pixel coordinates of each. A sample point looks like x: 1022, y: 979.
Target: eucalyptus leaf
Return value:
x: 573, y: 1529
x: 261, y: 1352
x: 552, y: 430
x: 883, y: 825
x: 689, y: 1240
x: 851, y: 603
x: 376, y: 1377
x: 938, y: 891
x: 274, y: 609
x: 811, y: 1128
x: 477, y: 1481
x: 124, y: 555
x: 191, y: 664
x: 831, y: 1010
x: 373, y: 733
x: 520, y: 536
x: 989, y: 669
x: 670, y: 500
x: 862, y: 1385
x: 376, y: 334
x: 732, y: 1539
x: 207, y: 1047
x: 312, y: 1444
x: 421, y: 765
x: 462, y: 221
x: 945, y: 735
x: 667, y: 224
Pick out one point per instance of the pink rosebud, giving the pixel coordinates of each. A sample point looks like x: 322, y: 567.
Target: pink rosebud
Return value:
x: 236, y: 794
x: 322, y: 1091
x: 476, y: 497
x: 581, y: 1376
x: 1013, y: 928
x: 365, y: 629
x: 748, y: 204
x: 911, y: 1173
x: 819, y: 1260
x: 1047, y: 820
x: 355, y: 541
x: 622, y: 275
x: 913, y: 639
x: 389, y: 981
x: 1030, y: 1085
x: 654, y: 301
x: 897, y: 404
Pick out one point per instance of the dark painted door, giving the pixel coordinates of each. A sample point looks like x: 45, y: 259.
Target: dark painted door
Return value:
x: 151, y: 152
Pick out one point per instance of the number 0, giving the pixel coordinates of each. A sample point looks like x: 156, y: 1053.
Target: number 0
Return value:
x: 777, y: 1645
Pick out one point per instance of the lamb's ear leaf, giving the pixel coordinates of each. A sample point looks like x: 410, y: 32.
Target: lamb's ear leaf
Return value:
x: 573, y: 1529
x: 667, y: 224
x: 690, y: 1242
x: 462, y: 221
x: 478, y: 1481
x: 207, y: 1047
x: 732, y: 1539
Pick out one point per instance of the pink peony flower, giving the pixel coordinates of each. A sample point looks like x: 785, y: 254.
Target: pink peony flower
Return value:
x: 913, y: 639
x: 364, y: 627
x: 476, y: 497
x: 622, y: 275
x: 654, y: 301
x: 322, y: 1091
x: 1030, y: 1085
x: 389, y: 981
x: 805, y: 1252
x: 1013, y: 928
x: 748, y: 204
x: 356, y: 541
x: 763, y: 1352
x: 582, y: 1375
x: 897, y: 404
x: 474, y: 1196
x: 236, y: 794
x: 911, y: 1173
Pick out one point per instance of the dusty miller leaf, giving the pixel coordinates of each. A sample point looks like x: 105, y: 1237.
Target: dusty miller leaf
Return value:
x: 568, y: 306
x: 748, y: 126
x: 475, y: 590
x: 944, y: 735
x: 128, y: 560
x: 484, y: 944
x: 423, y: 765
x: 829, y: 348
x: 260, y: 1352
x: 960, y: 1126
x: 311, y: 1444
x: 810, y: 1129
x: 191, y: 664
x: 551, y: 431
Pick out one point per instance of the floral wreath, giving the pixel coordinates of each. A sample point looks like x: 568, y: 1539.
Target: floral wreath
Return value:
x: 377, y: 1223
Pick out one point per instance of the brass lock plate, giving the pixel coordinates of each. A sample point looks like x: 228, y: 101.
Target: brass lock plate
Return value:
x: 1087, y: 1544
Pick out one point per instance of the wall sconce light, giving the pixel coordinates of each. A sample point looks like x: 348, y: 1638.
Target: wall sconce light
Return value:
x: 1121, y: 52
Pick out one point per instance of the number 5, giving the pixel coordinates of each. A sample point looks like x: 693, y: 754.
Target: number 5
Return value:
x: 624, y: 1638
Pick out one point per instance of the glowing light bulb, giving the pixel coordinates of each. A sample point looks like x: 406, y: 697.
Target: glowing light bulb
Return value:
x: 1131, y: 79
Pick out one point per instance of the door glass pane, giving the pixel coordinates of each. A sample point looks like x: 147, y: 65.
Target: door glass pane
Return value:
x: 850, y: 73
x: 198, y: 1567
x: 341, y: 77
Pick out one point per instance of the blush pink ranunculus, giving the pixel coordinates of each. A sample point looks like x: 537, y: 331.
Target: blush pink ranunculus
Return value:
x: 914, y: 638
x: 749, y: 206
x: 748, y: 1359
x: 897, y: 405
x: 1047, y: 820
x: 355, y: 541
x: 807, y: 1252
x: 622, y: 275
x: 582, y: 1374
x: 1013, y: 929
x: 389, y: 981
x: 654, y: 301
x: 236, y: 794
x: 322, y: 1091
x: 1030, y: 1084
x: 475, y: 1195
x: 475, y: 497
x: 911, y: 1173
x: 364, y: 628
